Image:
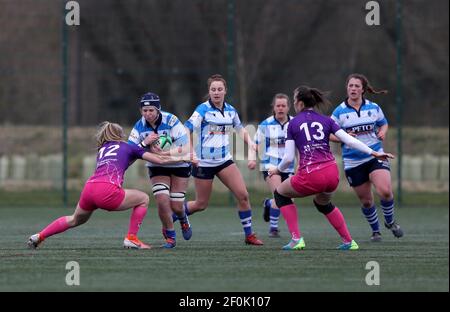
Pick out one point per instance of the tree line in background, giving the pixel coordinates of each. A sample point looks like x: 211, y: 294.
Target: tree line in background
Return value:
x: 123, y: 49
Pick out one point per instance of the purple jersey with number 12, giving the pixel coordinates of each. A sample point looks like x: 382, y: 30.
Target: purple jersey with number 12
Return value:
x: 113, y: 159
x: 311, y: 131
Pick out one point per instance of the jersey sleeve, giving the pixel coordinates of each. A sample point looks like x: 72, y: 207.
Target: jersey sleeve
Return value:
x: 334, y: 126
x: 134, y: 136
x: 260, y: 134
x: 136, y: 151
x: 335, y: 115
x: 179, y: 134
x: 196, y: 119
x: 290, y: 134
x: 381, y: 120
x: 237, y: 122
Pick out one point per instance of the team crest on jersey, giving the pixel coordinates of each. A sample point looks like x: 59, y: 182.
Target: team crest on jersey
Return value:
x: 133, y: 135
x: 369, y: 113
x: 195, y: 115
x: 172, y: 121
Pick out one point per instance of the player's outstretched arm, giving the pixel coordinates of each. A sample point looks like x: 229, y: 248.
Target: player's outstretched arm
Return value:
x: 356, y: 144
x: 166, y: 160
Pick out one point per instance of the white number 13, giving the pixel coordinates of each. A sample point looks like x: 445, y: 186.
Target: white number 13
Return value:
x: 319, y: 130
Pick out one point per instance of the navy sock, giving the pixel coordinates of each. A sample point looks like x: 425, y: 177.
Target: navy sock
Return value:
x: 372, y: 217
x: 246, y: 221
x: 171, y: 234
x: 274, y: 217
x: 184, y: 219
x: 388, y: 210
x: 186, y: 209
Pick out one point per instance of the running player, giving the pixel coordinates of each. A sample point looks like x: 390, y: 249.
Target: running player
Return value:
x: 365, y: 120
x: 169, y: 182
x: 270, y: 138
x: 212, y: 123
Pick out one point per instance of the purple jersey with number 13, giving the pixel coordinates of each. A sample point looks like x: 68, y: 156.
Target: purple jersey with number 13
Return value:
x: 311, y: 131
x: 113, y: 159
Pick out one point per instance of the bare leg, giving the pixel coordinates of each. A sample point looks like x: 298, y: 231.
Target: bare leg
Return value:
x: 232, y: 178
x: 163, y: 203
x: 62, y: 224
x: 364, y: 193
x: 203, y: 189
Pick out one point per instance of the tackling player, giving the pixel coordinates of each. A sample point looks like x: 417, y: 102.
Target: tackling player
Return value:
x: 317, y: 172
x: 104, y: 188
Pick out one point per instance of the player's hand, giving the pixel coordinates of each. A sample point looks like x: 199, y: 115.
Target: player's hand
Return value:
x: 150, y: 139
x: 251, y: 164
x: 272, y: 171
x: 352, y: 133
x: 193, y: 159
x: 383, y: 156
x: 381, y: 135
x: 155, y: 149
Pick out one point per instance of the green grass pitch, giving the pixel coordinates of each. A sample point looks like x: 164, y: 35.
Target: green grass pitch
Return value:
x: 216, y: 258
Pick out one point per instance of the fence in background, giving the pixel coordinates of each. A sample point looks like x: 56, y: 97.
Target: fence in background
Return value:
x: 421, y: 173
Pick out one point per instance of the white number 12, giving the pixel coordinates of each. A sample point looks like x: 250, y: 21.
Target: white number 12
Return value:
x: 110, y: 151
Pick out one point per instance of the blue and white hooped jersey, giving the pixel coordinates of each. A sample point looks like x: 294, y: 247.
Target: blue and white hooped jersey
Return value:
x: 167, y: 124
x: 271, y: 135
x: 211, y: 128
x: 364, y: 123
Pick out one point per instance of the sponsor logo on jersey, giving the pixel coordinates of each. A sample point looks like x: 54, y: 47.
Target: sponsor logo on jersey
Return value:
x: 172, y: 121
x: 134, y: 136
x: 360, y: 129
x: 219, y: 129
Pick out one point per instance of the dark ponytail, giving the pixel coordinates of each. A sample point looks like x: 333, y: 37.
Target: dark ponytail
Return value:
x: 365, y: 84
x: 311, y: 97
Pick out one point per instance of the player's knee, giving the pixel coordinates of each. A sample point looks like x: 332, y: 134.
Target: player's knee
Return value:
x: 145, y: 199
x: 243, y: 198
x: 281, y: 200
x: 325, y: 209
x: 75, y: 220
x: 385, y: 194
x: 367, y: 203
x: 71, y: 221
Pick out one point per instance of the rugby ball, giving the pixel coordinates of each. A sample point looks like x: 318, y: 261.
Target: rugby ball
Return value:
x: 164, y: 142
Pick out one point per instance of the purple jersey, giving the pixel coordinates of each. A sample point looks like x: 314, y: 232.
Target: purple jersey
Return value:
x: 113, y: 159
x: 311, y: 131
